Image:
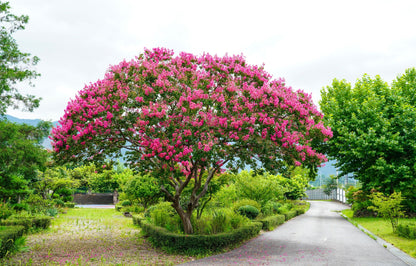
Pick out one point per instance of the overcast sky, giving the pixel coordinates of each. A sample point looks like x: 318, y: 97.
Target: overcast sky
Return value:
x: 308, y: 43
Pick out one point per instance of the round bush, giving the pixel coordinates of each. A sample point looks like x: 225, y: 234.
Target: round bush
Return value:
x: 244, y: 202
x: 125, y: 203
x: 249, y: 211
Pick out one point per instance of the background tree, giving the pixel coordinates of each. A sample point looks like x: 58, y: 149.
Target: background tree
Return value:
x: 374, y: 132
x: 84, y: 174
x: 143, y: 188
x: 14, y: 64
x: 295, y: 184
x: 331, y: 185
x: 261, y: 188
x: 181, y: 117
x: 21, y: 155
x: 52, y: 180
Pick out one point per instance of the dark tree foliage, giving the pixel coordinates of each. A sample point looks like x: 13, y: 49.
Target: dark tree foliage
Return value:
x: 21, y: 154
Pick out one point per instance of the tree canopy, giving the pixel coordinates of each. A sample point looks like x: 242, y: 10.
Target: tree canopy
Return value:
x: 15, y: 66
x: 179, y: 117
x: 21, y: 155
x: 374, y: 133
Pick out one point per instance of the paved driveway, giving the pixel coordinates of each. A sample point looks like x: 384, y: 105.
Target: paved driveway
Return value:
x: 319, y: 237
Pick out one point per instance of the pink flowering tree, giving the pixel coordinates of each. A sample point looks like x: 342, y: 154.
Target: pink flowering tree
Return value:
x: 185, y: 118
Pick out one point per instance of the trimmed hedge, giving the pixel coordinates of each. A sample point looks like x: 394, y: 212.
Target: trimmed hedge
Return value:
x: 160, y: 237
x: 407, y: 230
x: 269, y: 223
x: 7, y: 238
x: 302, y: 208
x: 39, y: 222
x: 290, y: 214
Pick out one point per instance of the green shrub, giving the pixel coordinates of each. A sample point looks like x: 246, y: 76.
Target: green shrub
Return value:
x: 70, y: 204
x: 389, y: 207
x: 164, y: 215
x: 5, y: 211
x: 407, y: 230
x: 244, y: 202
x: 218, y: 220
x: 269, y: 223
x: 118, y: 207
x: 8, y: 236
x: 249, y: 211
x: 301, y: 209
x: 125, y: 203
x: 41, y: 222
x: 160, y: 237
x: 149, y: 211
x: 51, y: 212
x: 283, y: 209
x: 134, y: 208
x: 20, y: 207
x: 59, y: 203
x: 290, y: 214
x: 38, y: 204
x: 271, y: 208
x: 137, y: 218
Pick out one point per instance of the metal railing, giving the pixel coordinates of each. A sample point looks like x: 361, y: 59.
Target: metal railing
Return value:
x: 318, y: 194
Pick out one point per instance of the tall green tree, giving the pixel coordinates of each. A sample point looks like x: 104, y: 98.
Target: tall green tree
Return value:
x: 15, y: 66
x: 21, y: 155
x: 374, y: 133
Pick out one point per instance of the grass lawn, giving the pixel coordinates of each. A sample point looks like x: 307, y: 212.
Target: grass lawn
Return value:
x: 383, y: 229
x: 91, y: 237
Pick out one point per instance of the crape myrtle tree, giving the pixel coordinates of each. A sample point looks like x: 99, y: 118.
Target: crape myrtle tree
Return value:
x: 180, y: 117
x: 374, y: 132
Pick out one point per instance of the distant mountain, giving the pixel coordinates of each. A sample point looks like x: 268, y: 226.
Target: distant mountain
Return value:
x: 33, y: 122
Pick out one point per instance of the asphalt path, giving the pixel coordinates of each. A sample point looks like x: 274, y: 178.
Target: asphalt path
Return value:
x: 319, y: 237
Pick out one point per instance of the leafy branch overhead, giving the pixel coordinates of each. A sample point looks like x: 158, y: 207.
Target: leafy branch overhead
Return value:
x: 15, y: 66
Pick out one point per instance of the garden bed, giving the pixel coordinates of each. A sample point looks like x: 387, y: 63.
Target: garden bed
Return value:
x: 91, y: 237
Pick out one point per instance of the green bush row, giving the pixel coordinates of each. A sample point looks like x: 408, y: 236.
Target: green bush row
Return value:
x: 290, y: 214
x: 37, y: 222
x: 407, y: 230
x: 269, y: 223
x: 160, y: 237
x: 7, y: 237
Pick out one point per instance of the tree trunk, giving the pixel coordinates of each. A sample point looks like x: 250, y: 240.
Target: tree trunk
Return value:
x: 185, y: 218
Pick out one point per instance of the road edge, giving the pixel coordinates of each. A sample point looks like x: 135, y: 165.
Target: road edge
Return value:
x: 406, y: 258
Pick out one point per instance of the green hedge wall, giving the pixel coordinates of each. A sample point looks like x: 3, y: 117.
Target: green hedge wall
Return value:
x: 407, y: 230
x: 38, y: 222
x: 290, y: 214
x: 161, y: 237
x: 7, y: 238
x: 269, y: 223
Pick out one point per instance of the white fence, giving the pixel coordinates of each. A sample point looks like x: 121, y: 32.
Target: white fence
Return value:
x: 318, y: 194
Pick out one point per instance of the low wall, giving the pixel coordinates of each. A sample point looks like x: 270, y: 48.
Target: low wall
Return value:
x: 318, y: 194
x: 95, y: 198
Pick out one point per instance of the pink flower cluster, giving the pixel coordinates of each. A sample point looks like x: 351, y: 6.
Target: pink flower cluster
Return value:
x: 187, y: 109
